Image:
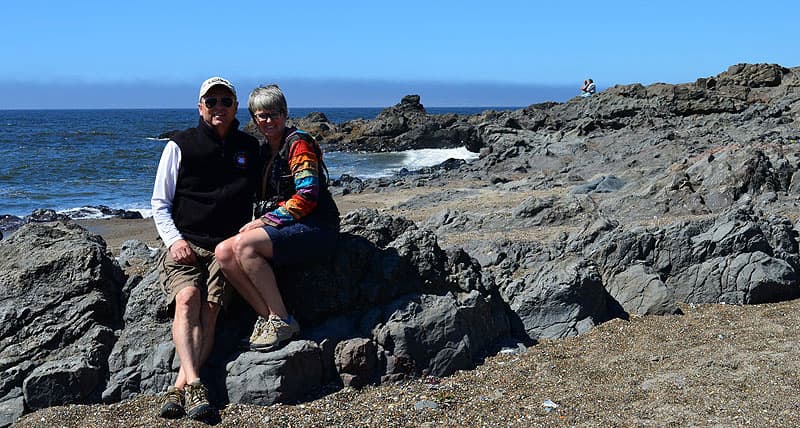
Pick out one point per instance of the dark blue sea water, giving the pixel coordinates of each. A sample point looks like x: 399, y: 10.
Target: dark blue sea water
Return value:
x: 67, y: 159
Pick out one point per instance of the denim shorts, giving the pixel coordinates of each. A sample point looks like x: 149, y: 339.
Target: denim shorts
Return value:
x: 305, y: 241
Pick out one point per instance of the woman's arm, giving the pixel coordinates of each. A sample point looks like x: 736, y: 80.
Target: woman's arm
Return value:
x: 304, y: 165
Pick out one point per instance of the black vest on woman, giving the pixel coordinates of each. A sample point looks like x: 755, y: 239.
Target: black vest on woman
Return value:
x: 279, y: 181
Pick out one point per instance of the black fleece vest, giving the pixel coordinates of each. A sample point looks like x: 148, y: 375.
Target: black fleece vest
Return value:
x: 216, y: 183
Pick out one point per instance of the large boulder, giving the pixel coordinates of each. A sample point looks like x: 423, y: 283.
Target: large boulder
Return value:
x: 143, y: 358
x: 640, y: 292
x: 438, y: 334
x: 748, y: 278
x: 284, y: 375
x: 60, y: 302
x: 559, y: 299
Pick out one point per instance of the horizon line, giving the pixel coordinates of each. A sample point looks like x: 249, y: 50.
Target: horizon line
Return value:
x: 290, y: 108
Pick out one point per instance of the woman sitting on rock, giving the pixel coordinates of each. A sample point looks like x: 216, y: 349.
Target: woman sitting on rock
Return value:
x: 296, y: 222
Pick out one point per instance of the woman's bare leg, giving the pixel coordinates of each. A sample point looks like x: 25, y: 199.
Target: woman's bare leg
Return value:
x: 241, y: 282
x: 253, y: 249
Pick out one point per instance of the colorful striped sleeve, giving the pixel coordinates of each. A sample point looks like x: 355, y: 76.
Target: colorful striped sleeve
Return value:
x: 303, y: 163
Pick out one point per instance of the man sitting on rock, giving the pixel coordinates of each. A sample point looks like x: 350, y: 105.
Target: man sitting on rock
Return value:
x: 203, y: 193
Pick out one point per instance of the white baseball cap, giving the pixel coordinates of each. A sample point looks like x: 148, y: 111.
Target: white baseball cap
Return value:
x: 215, y: 81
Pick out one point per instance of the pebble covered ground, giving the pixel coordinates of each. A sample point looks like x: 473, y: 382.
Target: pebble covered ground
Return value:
x: 716, y: 365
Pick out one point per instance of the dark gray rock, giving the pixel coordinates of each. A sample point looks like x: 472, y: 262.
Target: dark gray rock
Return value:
x: 405, y: 126
x: 167, y: 135
x: 748, y: 278
x: 45, y: 215
x: 640, y: 292
x: 68, y: 381
x: 379, y: 260
x: 753, y: 75
x: 135, y: 252
x: 283, y: 376
x: 439, y: 334
x: 560, y: 299
x: 604, y: 184
x: 60, y: 296
x: 532, y: 206
x: 380, y: 229
x: 12, y: 406
x: 93, y: 210
x: 451, y: 221
x: 346, y: 184
x: 143, y: 358
x: 10, y: 222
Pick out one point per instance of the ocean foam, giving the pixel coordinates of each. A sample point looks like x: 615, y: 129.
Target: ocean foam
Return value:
x: 377, y: 165
x: 421, y: 158
x: 94, y: 213
x: 83, y: 212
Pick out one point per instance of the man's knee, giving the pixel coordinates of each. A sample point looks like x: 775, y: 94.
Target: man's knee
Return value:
x: 187, y: 300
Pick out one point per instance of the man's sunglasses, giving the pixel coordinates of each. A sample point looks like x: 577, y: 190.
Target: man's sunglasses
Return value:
x: 211, y: 102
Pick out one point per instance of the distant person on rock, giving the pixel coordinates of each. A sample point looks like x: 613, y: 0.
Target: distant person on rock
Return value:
x: 588, y: 89
x: 296, y: 220
x: 204, y: 190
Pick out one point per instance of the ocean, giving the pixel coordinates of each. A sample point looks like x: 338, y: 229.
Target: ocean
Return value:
x: 69, y: 159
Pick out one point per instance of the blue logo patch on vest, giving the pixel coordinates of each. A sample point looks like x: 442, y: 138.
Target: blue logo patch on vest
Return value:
x: 241, y: 159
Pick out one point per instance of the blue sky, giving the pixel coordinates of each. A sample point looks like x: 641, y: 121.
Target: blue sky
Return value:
x: 87, y: 54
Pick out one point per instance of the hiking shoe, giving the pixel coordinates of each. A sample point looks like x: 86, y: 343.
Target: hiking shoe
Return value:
x: 258, y: 329
x: 274, y: 334
x: 172, y: 408
x: 197, y: 405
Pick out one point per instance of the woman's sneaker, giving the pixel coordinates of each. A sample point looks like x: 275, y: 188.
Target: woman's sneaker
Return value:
x: 274, y: 333
x: 172, y: 408
x: 197, y: 405
x: 258, y: 329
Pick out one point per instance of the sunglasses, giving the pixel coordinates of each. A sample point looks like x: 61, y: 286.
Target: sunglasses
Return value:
x: 211, y: 102
x: 264, y: 116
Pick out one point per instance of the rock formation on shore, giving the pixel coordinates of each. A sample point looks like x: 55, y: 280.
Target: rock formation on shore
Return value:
x: 620, y: 204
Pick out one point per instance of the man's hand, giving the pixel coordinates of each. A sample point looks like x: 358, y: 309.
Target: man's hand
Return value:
x: 257, y: 224
x: 182, y: 253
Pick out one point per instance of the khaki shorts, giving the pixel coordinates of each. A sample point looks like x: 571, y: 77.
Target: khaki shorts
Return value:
x: 205, y: 275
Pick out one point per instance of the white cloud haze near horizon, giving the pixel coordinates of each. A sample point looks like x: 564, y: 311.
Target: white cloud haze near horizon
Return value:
x: 299, y: 93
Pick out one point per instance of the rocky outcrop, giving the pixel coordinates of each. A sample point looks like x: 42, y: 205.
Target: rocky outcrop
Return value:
x: 383, y: 267
x: 11, y: 223
x: 60, y: 304
x: 404, y: 126
x: 628, y: 202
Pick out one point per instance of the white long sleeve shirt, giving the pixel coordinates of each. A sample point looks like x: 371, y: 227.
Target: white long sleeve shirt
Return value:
x: 164, y: 193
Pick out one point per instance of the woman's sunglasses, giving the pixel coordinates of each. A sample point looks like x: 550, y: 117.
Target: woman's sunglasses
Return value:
x: 211, y: 102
